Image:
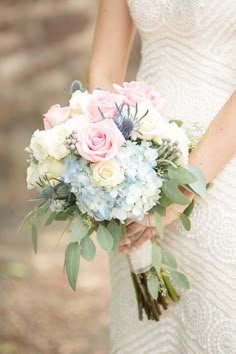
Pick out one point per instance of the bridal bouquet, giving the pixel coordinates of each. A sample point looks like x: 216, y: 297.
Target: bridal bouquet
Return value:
x: 106, y: 158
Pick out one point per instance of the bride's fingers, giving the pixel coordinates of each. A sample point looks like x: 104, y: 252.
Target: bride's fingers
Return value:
x: 148, y: 233
x: 127, y: 242
x: 134, y: 228
x: 129, y: 221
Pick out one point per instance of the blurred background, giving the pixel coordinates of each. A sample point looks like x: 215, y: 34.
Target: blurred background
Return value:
x: 44, y: 46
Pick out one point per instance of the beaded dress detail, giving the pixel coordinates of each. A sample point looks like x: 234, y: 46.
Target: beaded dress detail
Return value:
x: 189, y: 56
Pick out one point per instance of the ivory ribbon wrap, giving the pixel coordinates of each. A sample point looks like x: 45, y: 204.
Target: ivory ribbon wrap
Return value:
x: 141, y: 259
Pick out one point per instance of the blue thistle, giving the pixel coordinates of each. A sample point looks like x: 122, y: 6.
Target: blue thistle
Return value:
x: 126, y: 122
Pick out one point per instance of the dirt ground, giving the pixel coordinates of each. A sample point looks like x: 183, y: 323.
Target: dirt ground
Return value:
x: 39, y: 313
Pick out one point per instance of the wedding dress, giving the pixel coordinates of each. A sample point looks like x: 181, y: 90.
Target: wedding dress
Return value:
x: 189, y: 55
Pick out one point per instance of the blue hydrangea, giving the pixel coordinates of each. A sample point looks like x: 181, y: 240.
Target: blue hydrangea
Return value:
x: 132, y: 198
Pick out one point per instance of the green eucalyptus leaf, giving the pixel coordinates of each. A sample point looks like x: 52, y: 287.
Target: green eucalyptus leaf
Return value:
x: 164, y: 201
x: 159, y: 225
x: 199, y: 187
x: 79, y: 229
x: 185, y: 221
x: 170, y: 189
x: 116, y: 231
x: 104, y: 238
x: 123, y: 232
x: 161, y: 210
x: 156, y: 257
x: 177, y: 122
x: 179, y: 279
x: 181, y: 175
x: 34, y: 235
x: 31, y: 218
x: 88, y: 249
x: 50, y: 219
x: 189, y: 209
x: 42, y: 210
x: 153, y: 285
x: 72, y: 261
x: 169, y: 260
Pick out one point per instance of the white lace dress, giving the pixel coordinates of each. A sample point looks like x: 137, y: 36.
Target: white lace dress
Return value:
x: 189, y: 55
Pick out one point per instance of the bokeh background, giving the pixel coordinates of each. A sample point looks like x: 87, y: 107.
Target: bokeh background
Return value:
x: 44, y: 46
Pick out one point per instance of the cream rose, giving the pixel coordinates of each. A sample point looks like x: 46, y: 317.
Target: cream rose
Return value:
x: 152, y: 125
x: 108, y: 173
x: 57, y: 142
x: 38, y: 145
x: 76, y: 123
x: 50, y: 167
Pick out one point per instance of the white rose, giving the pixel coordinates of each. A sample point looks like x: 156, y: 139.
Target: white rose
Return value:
x: 76, y: 123
x: 177, y: 134
x: 38, y: 145
x: 57, y: 142
x: 79, y: 101
x: 50, y: 167
x: 107, y: 173
x: 152, y: 125
x: 32, y: 176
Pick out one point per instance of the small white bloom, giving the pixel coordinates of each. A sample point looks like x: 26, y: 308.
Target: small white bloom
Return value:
x: 107, y: 173
x: 57, y: 205
x: 38, y: 145
x: 76, y: 123
x: 57, y: 142
x: 151, y: 125
x: 177, y: 134
x: 79, y: 101
x: 50, y: 167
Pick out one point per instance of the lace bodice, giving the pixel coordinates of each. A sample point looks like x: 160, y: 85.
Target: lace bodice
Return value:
x: 189, y: 55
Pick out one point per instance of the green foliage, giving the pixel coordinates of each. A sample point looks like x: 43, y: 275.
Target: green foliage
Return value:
x: 185, y: 221
x: 116, y: 231
x: 179, y: 279
x: 153, y: 284
x: 177, y: 122
x: 123, y: 232
x: 50, y: 219
x: 88, y: 249
x: 164, y: 201
x: 79, y: 229
x: 159, y: 225
x: 189, y: 209
x: 172, y: 192
x: 64, y: 215
x: 72, y: 262
x: 34, y: 216
x: 161, y: 210
x: 169, y: 260
x: 156, y: 257
x: 198, y: 187
x: 181, y: 175
x: 104, y: 238
x: 34, y: 236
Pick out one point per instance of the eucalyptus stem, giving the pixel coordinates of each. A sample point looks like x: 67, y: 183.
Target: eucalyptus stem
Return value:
x: 171, y: 291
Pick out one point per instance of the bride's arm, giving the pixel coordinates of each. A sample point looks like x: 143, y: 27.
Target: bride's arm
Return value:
x: 214, y: 151
x: 113, y: 39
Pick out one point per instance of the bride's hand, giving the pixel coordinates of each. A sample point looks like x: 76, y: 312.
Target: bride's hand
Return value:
x: 147, y: 229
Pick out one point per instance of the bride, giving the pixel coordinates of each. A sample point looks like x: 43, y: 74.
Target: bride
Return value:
x: 189, y: 56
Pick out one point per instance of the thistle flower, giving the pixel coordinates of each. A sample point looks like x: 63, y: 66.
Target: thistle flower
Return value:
x: 126, y: 121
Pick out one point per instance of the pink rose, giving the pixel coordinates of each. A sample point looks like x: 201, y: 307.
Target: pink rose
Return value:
x: 56, y: 115
x: 90, y: 104
x: 136, y: 92
x: 99, y: 141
